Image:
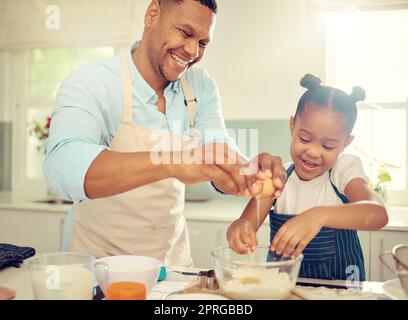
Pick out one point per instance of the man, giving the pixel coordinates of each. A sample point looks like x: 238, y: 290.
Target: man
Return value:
x: 101, y: 148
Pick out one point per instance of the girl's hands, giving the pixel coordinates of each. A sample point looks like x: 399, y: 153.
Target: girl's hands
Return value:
x: 294, y: 235
x: 241, y: 236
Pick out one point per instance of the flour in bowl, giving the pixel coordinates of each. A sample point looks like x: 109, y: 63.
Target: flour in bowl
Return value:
x: 256, y: 283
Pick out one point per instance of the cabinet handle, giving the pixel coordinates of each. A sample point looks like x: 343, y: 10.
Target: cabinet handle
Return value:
x: 382, y: 267
x: 62, y: 222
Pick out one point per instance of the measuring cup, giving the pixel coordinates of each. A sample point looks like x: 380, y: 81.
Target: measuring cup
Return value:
x: 62, y: 276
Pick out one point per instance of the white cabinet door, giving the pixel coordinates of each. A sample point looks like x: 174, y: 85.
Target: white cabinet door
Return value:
x: 39, y: 230
x: 365, y: 239
x: 384, y: 241
x: 205, y: 236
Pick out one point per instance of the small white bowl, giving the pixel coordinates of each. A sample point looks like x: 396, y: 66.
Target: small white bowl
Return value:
x: 140, y: 269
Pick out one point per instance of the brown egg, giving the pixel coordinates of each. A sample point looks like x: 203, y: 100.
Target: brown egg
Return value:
x: 267, y: 188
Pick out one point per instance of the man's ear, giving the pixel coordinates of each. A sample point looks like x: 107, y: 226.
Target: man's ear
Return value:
x: 153, y: 13
x: 291, y: 124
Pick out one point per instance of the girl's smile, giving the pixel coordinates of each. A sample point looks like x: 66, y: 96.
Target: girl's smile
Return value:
x: 309, y: 165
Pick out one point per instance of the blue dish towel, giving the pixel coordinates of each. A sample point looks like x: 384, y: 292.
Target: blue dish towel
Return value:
x: 12, y: 255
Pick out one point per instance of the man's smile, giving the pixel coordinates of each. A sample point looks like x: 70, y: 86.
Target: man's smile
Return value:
x: 180, y: 61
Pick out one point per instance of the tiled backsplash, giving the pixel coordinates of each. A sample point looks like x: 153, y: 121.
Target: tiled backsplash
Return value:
x: 273, y: 135
x: 5, y: 155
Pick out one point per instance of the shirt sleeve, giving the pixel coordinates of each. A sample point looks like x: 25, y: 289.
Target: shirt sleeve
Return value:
x: 347, y: 168
x: 75, y: 138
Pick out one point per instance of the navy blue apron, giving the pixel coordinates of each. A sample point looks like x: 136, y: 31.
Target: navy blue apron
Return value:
x: 333, y: 254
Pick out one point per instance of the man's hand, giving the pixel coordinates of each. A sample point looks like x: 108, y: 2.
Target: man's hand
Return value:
x: 230, y: 171
x: 218, y: 163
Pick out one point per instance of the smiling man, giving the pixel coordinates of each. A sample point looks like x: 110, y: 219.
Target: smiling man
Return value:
x: 175, y: 38
x: 100, y: 144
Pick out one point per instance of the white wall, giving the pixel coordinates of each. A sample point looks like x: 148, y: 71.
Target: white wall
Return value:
x: 260, y: 51
x: 5, y: 108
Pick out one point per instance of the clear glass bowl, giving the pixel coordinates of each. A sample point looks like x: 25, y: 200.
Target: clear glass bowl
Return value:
x: 251, y: 276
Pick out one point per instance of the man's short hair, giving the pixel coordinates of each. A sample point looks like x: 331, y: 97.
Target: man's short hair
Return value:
x: 211, y: 4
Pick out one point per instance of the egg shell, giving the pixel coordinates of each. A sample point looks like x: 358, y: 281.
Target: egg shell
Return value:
x: 267, y: 188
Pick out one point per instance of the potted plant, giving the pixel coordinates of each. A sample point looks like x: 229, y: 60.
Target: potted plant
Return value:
x: 40, y: 130
x: 383, y: 179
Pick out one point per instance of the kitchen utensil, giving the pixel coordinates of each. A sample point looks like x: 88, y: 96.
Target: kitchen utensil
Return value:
x: 400, y: 255
x: 207, y: 280
x: 62, y: 276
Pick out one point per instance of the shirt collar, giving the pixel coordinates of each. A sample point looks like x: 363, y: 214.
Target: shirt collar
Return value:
x: 142, y: 88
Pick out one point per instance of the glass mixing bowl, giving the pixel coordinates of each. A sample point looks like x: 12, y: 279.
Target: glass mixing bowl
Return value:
x: 251, y: 276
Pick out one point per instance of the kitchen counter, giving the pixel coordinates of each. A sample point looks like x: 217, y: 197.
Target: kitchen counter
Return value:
x: 19, y: 280
x: 228, y: 208
x: 219, y: 208
x: 34, y: 201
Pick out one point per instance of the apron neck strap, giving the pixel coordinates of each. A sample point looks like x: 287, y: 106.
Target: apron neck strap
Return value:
x: 190, y: 101
x: 127, y: 84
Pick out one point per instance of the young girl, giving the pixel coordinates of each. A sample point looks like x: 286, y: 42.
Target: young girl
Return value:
x: 326, y: 197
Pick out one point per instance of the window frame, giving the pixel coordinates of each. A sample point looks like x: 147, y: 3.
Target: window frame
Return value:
x: 19, y: 104
x: 395, y: 198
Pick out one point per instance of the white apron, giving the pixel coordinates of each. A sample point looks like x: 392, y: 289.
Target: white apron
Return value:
x: 147, y: 220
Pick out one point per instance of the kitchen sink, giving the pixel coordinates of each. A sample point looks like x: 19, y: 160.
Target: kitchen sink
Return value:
x: 54, y: 201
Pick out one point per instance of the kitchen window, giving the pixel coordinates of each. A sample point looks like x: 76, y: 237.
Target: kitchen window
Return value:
x: 370, y: 49
x: 39, y: 73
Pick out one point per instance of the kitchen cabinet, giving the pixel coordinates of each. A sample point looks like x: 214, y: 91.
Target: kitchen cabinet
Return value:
x: 381, y: 241
x: 365, y: 238
x: 207, y: 235
x: 38, y: 229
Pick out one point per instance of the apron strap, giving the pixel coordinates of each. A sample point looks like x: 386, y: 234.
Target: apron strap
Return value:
x: 290, y: 170
x: 342, y: 197
x: 127, y: 85
x: 189, y: 100
x: 288, y: 173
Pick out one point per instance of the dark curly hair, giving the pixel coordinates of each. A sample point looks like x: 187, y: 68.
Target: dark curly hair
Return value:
x: 332, y: 98
x: 211, y: 4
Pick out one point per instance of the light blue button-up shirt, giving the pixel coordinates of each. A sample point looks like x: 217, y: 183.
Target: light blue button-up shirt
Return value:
x: 89, y: 109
